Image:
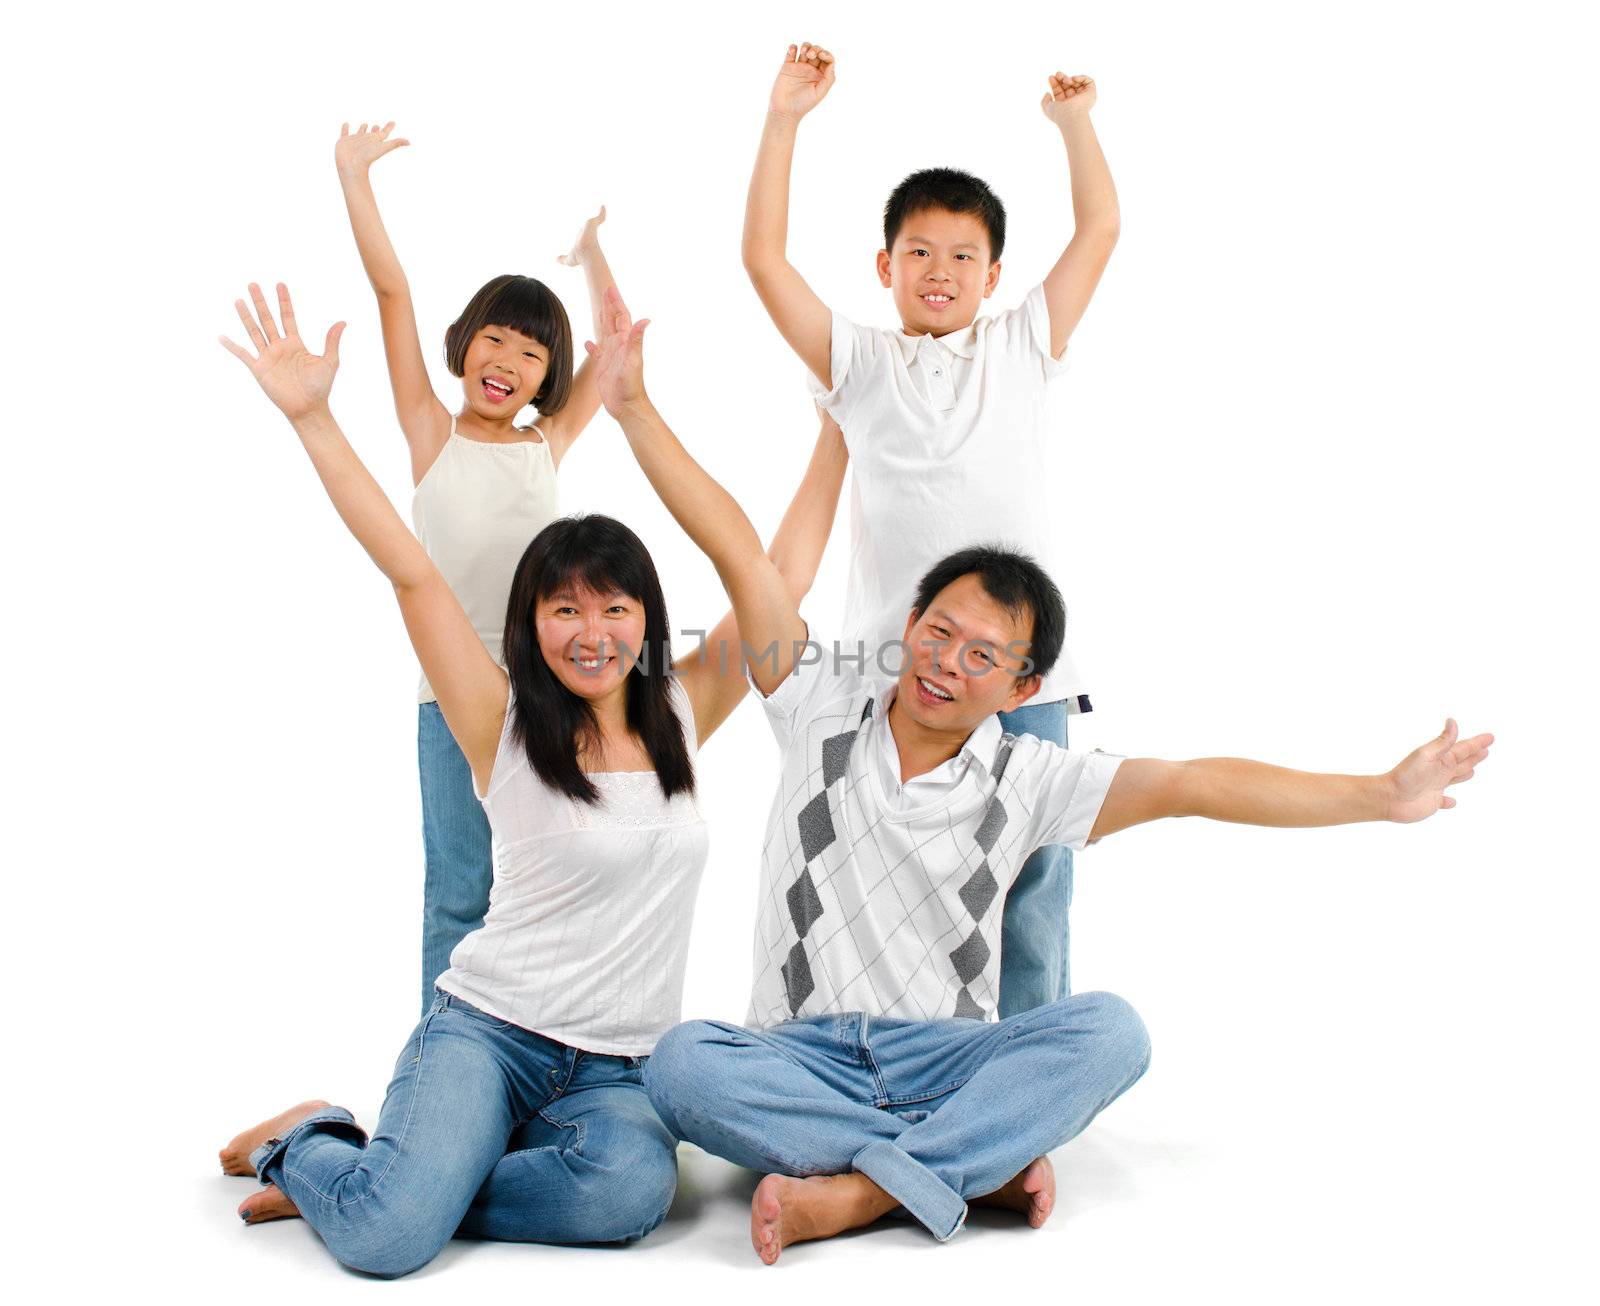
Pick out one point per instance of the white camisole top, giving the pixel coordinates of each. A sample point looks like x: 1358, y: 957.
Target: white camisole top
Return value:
x: 475, y: 511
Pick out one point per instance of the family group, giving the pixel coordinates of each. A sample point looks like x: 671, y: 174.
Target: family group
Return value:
x: 912, y: 1045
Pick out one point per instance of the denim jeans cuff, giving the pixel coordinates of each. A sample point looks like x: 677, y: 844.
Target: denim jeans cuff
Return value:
x: 936, y: 1205
x: 274, y: 1148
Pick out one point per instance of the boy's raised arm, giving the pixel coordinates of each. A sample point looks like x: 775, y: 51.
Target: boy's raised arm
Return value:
x: 1096, y: 220
x: 801, y: 318
x: 767, y: 613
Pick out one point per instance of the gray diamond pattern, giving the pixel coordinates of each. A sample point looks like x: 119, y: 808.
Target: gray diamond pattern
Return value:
x: 815, y: 824
x: 978, y: 895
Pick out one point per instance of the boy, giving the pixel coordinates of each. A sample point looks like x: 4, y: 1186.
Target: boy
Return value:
x: 945, y: 418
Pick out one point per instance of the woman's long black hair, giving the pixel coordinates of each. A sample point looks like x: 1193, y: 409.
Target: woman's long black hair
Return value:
x: 551, y: 722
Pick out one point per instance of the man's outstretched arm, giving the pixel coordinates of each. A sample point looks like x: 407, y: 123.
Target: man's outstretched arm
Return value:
x: 1254, y: 793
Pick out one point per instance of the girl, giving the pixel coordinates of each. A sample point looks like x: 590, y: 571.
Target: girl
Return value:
x: 516, y: 1110
x: 484, y: 487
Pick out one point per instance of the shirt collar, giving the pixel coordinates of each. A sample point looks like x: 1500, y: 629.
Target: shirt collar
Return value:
x: 981, y: 745
x: 962, y: 343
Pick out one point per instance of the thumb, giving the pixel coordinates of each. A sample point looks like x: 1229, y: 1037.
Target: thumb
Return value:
x: 1450, y: 730
x: 637, y: 334
x: 591, y: 348
x: 330, y: 348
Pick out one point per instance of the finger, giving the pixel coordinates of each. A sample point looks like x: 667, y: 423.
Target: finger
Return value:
x: 330, y: 346
x: 268, y: 326
x: 387, y: 128
x: 243, y: 355
x: 790, y: 57
x: 1447, y: 802
x: 396, y: 144
x: 590, y: 348
x: 637, y: 334
x: 344, y: 129
x: 361, y: 129
x: 286, y: 311
x: 600, y: 216
x: 251, y: 329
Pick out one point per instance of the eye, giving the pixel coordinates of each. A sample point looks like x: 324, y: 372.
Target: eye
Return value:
x: 920, y: 253
x: 968, y: 257
x: 618, y: 608
x: 493, y: 340
x: 565, y: 610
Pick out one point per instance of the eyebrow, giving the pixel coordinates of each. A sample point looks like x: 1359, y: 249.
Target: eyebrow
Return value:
x: 923, y: 240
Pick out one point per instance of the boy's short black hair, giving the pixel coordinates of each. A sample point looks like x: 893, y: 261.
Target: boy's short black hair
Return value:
x: 524, y: 305
x: 1013, y: 580
x: 949, y: 189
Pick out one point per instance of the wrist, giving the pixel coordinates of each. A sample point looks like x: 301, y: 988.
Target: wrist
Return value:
x: 780, y: 120
x: 637, y: 409
x: 316, y: 420
x: 1384, y: 796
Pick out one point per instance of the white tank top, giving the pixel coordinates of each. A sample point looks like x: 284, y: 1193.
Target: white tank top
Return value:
x: 587, y: 936
x: 475, y: 511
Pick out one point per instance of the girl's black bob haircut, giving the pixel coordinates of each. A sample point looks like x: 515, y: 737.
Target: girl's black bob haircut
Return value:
x: 524, y: 305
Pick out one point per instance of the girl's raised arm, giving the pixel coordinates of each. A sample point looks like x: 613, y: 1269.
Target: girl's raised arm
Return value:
x: 471, y: 687
x: 769, y: 618
x: 713, y: 675
x: 583, y: 400
x: 425, y: 421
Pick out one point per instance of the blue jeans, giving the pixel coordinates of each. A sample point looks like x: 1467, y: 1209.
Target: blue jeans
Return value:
x: 487, y: 1131
x: 933, y: 1111
x: 1034, y: 933
x: 456, y: 845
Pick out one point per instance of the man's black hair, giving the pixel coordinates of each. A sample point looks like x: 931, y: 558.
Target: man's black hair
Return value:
x: 949, y: 189
x: 1013, y: 580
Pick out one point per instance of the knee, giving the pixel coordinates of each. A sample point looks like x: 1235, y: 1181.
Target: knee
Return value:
x: 643, y: 1200
x: 386, y: 1246
x: 1118, y: 1029
x: 676, y: 1068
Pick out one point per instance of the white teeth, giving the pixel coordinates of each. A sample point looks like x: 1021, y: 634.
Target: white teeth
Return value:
x: 935, y: 690
x: 501, y: 386
x: 937, y: 299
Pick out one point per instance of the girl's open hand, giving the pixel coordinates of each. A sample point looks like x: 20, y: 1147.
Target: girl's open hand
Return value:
x: 356, y: 151
x: 806, y: 76
x: 1068, y: 98
x: 294, y: 378
x: 619, y: 357
x: 587, y: 242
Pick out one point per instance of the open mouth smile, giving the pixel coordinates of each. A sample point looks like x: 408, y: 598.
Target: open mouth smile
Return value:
x: 931, y: 693
x: 497, y: 391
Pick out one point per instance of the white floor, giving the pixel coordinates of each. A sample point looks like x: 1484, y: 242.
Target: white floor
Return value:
x: 1144, y: 1216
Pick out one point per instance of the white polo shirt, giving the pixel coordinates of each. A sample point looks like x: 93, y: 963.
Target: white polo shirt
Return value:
x: 888, y: 898
x: 947, y: 443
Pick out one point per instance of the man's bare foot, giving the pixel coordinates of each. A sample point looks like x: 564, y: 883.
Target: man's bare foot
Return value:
x: 235, y: 1157
x: 1033, y: 1192
x: 785, y: 1210
x: 271, y: 1203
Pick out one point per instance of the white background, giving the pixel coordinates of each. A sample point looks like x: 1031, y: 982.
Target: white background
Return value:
x: 1325, y: 476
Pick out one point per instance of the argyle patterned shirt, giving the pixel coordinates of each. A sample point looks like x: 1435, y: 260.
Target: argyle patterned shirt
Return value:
x: 887, y: 903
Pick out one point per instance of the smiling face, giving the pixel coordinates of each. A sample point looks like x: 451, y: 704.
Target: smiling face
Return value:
x: 939, y: 270
x: 967, y: 652
x: 590, y: 639
x: 502, y: 371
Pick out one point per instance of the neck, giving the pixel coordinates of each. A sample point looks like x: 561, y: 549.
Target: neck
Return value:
x: 486, y: 428
x: 921, y: 748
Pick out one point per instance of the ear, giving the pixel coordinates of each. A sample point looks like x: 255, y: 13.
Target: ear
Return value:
x: 883, y: 268
x: 1021, y: 691
x: 992, y: 280
x: 911, y: 624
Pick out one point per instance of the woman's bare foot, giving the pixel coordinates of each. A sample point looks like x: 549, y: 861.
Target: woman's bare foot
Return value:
x: 1033, y: 1192
x: 785, y: 1210
x: 235, y: 1157
x: 271, y: 1203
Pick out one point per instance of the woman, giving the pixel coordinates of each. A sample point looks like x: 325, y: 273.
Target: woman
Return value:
x: 582, y: 752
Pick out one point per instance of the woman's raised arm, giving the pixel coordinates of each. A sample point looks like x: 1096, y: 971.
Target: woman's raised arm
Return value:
x: 470, y: 686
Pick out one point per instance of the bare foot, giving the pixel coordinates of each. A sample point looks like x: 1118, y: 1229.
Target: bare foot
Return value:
x: 271, y: 1203
x: 235, y: 1157
x: 785, y: 1210
x: 1033, y: 1192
